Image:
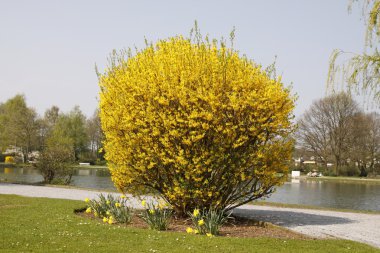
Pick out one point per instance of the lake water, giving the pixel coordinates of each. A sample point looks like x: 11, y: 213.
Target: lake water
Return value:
x: 85, y: 178
x: 333, y: 194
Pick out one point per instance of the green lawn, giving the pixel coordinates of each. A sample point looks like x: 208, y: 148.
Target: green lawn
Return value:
x: 50, y: 225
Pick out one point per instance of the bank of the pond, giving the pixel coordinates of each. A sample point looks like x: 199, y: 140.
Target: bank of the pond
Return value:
x: 24, y: 230
x: 343, y: 179
x: 297, y: 206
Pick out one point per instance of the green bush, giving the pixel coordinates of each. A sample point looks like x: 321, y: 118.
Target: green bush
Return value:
x: 111, y: 209
x: 156, y: 215
x: 207, y: 221
x: 349, y: 171
x: 55, y: 165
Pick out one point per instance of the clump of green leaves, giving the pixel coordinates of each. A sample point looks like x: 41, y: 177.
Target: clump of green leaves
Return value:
x: 55, y: 164
x: 207, y: 222
x: 157, y: 216
x: 111, y: 209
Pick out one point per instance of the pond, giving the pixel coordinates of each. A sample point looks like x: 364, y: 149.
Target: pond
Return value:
x: 332, y: 194
x: 84, y: 178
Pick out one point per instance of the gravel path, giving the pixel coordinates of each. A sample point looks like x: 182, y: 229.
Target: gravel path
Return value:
x: 316, y: 223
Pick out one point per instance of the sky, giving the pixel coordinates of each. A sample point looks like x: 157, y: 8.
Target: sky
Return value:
x: 48, y: 49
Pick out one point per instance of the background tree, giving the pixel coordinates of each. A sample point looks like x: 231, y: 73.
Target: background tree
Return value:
x: 70, y: 131
x: 365, y: 142
x: 19, y: 125
x: 326, y: 127
x: 47, y: 124
x: 360, y: 71
x: 195, y: 122
x: 95, y: 134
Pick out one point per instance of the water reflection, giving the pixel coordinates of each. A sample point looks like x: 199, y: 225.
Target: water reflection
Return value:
x: 360, y: 196
x: 86, y: 178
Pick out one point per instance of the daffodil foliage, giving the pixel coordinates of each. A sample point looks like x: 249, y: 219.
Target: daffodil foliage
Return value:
x: 195, y: 122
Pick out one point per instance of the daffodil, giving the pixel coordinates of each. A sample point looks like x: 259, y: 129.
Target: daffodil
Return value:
x: 189, y: 230
x: 117, y: 204
x: 105, y: 219
x: 88, y: 210
x: 196, y: 231
x: 86, y: 200
x: 151, y: 211
x: 111, y: 220
x: 143, y: 203
x: 108, y: 202
x: 201, y: 222
x: 196, y: 212
x: 108, y: 213
x: 123, y: 196
x: 209, y: 234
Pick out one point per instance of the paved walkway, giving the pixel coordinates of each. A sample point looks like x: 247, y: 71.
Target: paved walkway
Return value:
x: 316, y: 223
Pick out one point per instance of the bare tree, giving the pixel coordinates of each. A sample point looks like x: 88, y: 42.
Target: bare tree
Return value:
x: 365, y: 142
x: 326, y: 127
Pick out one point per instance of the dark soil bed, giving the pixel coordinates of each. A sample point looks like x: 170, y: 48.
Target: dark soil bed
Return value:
x: 235, y: 227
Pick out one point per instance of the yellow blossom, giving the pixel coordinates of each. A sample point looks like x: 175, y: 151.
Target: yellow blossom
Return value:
x: 117, y: 204
x: 86, y: 200
x: 189, y: 230
x: 88, y: 210
x: 111, y: 220
x: 177, y: 112
x: 105, y: 219
x: 201, y: 222
x: 209, y: 234
x: 123, y: 196
x: 196, y: 212
x: 151, y: 211
x: 196, y: 231
x: 143, y: 203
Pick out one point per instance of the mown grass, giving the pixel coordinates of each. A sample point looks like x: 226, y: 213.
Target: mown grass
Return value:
x: 50, y: 225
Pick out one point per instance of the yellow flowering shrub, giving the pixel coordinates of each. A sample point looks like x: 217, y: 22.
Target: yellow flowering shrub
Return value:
x: 9, y: 159
x: 195, y: 122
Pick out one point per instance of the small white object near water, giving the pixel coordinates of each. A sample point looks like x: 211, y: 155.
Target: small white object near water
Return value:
x: 85, y: 164
x: 295, y: 181
x: 296, y: 173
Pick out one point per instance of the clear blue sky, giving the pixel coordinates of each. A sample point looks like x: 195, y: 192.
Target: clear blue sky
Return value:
x: 48, y: 49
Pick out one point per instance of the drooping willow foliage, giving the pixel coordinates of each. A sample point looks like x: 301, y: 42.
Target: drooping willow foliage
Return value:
x: 361, y: 72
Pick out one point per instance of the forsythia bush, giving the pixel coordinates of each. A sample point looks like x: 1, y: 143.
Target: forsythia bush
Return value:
x: 195, y: 122
x: 9, y: 159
